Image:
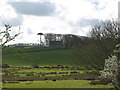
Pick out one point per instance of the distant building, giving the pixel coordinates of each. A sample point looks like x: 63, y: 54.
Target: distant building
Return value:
x: 56, y: 44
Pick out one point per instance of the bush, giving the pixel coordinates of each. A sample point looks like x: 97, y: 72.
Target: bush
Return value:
x: 110, y: 70
x: 35, y: 66
x: 4, y: 65
x: 100, y: 82
x: 54, y: 80
x: 46, y: 79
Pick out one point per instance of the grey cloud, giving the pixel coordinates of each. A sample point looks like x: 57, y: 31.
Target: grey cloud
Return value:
x: 95, y: 2
x: 96, y: 5
x: 34, y: 8
x: 77, y: 26
x: 86, y: 22
x: 16, y: 21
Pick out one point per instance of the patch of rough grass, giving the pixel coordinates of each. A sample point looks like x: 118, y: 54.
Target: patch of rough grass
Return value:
x: 57, y: 84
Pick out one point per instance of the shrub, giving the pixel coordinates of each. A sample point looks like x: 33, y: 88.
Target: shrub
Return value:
x: 35, y: 66
x: 4, y: 65
x: 45, y: 78
x: 110, y: 70
x: 100, y: 82
x: 54, y: 80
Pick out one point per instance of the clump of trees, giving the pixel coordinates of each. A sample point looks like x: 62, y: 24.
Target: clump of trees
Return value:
x: 68, y: 40
x: 107, y: 36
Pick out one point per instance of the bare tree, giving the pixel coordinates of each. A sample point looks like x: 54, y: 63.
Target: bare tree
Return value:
x: 108, y: 29
x: 40, y: 37
x: 106, y: 36
x: 5, y: 35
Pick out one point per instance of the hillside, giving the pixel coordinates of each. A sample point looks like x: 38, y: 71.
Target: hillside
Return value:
x: 36, y: 55
x: 43, y: 56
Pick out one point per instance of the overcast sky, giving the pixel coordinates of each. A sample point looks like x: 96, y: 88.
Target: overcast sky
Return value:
x: 55, y: 16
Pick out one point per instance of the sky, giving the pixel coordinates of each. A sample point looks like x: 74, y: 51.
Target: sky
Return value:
x: 54, y: 16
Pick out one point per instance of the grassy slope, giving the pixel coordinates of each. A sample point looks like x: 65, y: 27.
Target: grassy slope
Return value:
x: 45, y: 56
x: 50, y: 57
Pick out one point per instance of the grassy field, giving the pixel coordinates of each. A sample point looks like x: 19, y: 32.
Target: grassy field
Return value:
x: 50, y: 78
x: 56, y: 84
x: 41, y: 56
x: 28, y: 56
x: 68, y: 76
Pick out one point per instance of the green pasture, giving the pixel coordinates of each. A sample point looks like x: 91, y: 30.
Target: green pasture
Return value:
x: 56, y: 84
x: 28, y: 56
x: 50, y: 77
x: 49, y: 57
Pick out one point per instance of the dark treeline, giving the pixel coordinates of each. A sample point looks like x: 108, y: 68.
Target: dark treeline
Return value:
x: 97, y: 47
x: 68, y: 40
